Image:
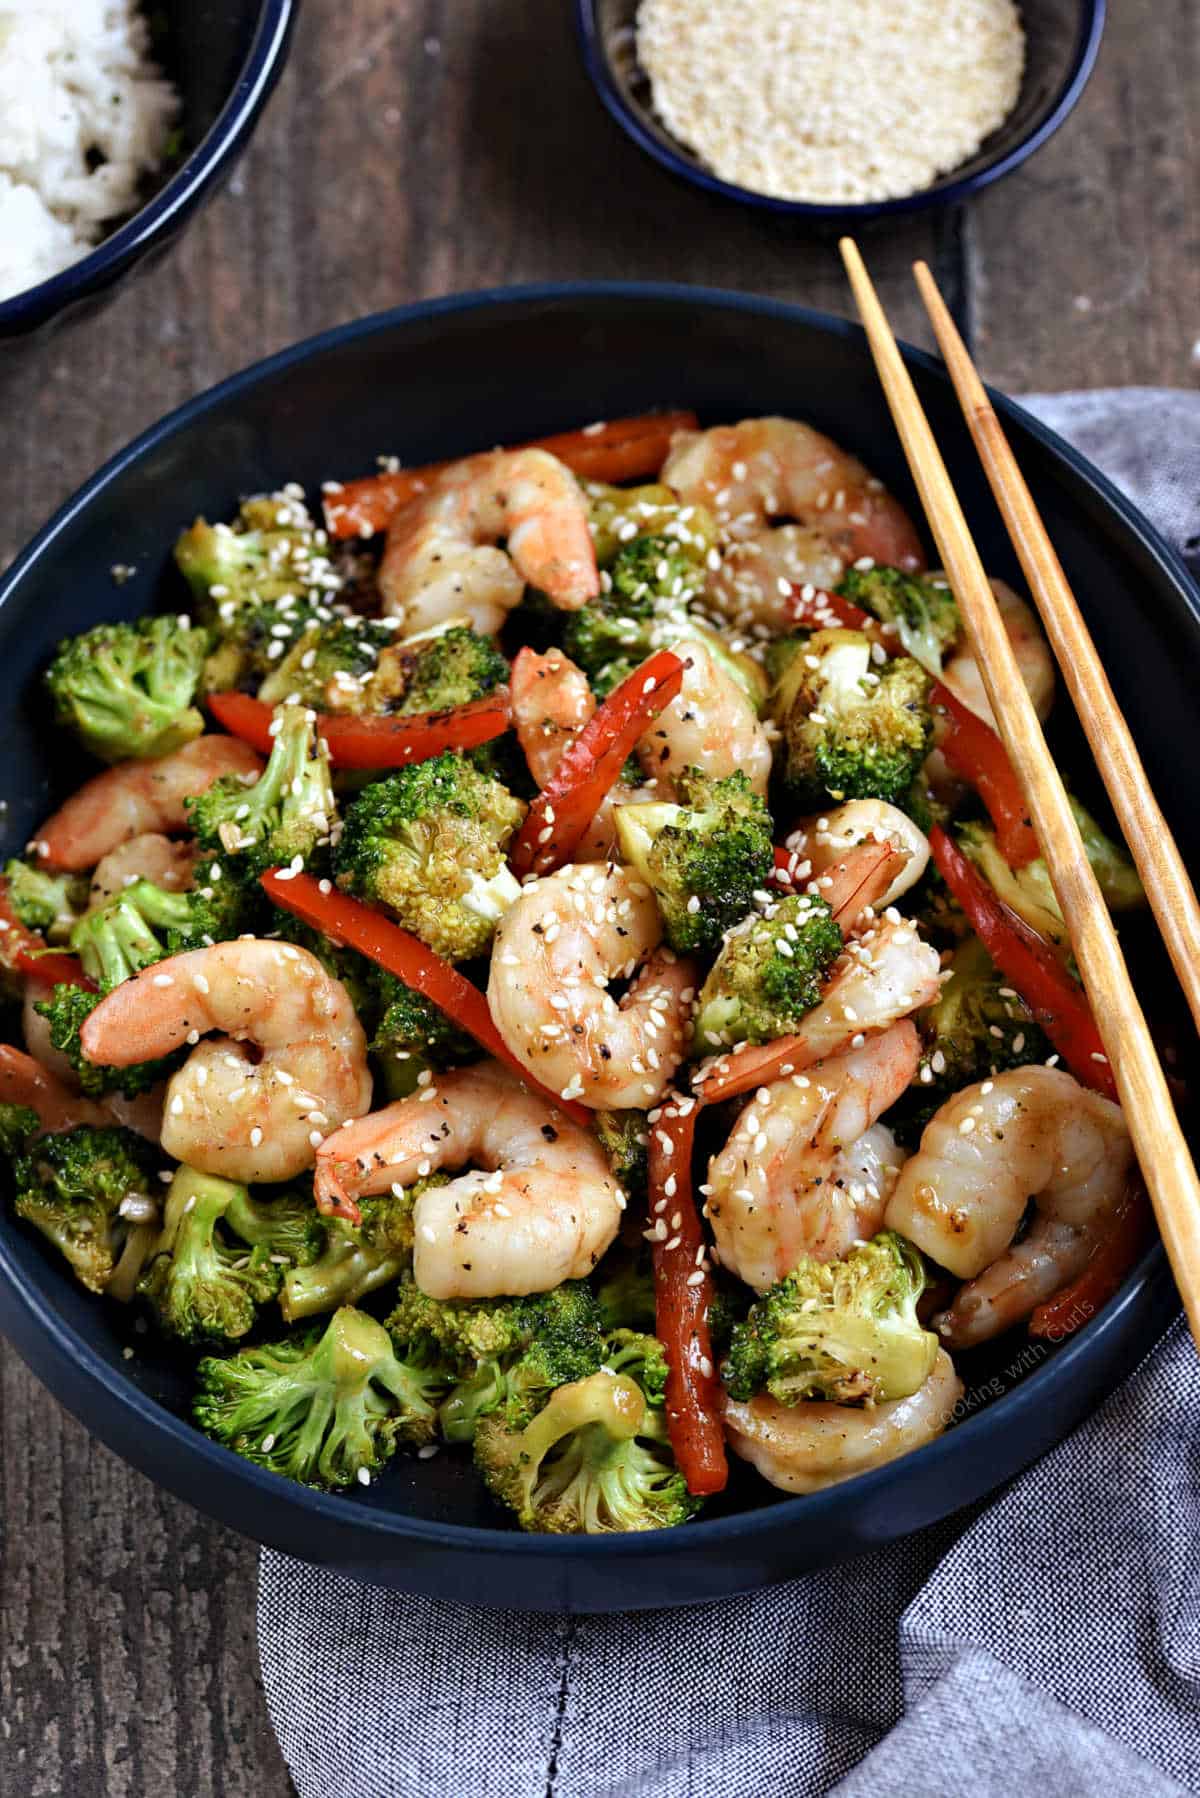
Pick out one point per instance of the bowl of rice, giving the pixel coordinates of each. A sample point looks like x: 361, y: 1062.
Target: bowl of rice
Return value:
x: 840, y: 110
x: 118, y: 118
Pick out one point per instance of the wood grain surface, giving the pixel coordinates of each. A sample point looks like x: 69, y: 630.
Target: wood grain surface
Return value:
x: 415, y: 148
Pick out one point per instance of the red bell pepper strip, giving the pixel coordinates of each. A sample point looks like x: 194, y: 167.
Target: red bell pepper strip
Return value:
x: 624, y: 449
x: 682, y: 1295
x: 1056, y: 1001
x: 24, y: 952
x: 1076, y: 1303
x: 348, y: 920
x: 591, y: 765
x: 970, y: 745
x: 371, y: 741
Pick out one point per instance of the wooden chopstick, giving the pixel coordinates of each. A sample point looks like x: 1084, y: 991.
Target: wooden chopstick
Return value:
x: 1149, y: 1114
x: 1170, y: 891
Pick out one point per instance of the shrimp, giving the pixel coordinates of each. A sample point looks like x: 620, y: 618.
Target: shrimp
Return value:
x: 538, y: 1206
x: 551, y: 703
x: 24, y: 1080
x: 823, y: 842
x: 797, y: 1176
x: 961, y: 674
x: 289, y: 1065
x: 149, y: 856
x: 711, y: 724
x: 135, y: 797
x: 441, y: 558
x: 961, y: 1198
x: 555, y: 951
x: 803, y: 1447
x: 142, y: 1113
x: 754, y: 474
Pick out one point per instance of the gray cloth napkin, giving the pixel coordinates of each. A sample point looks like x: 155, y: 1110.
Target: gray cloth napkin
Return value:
x: 1048, y: 1642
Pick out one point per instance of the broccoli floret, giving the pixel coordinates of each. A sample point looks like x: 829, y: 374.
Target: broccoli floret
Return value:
x: 704, y: 858
x: 770, y: 971
x: 250, y: 643
x: 207, y: 1278
x: 449, y: 670
x: 625, y: 1288
x: 625, y: 1139
x: 46, y: 902
x: 356, y: 1259
x: 127, y: 689
x: 850, y: 730
x: 640, y: 1356
x: 594, y: 1460
x: 1029, y: 891
x: 288, y: 812
x: 327, y: 1406
x: 332, y: 666
x: 65, y: 1011
x: 429, y: 842
x: 609, y: 637
x: 93, y: 1193
x: 977, y: 1026
x: 617, y: 516
x: 844, y: 1331
x: 17, y: 1124
x: 414, y: 1034
x: 726, y: 1309
x: 499, y: 1354
x: 921, y: 607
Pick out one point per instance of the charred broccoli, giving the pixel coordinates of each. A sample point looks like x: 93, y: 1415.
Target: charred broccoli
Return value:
x: 126, y: 690
x: 594, y: 1459
x: 49, y: 903
x: 220, y: 1255
x: 850, y: 730
x: 921, y: 606
x: 429, y: 842
x: 332, y: 666
x: 1029, y: 891
x: 327, y: 1406
x: 92, y: 1192
x: 499, y: 1354
x: 768, y: 974
x: 704, y: 857
x: 451, y: 669
x: 844, y: 1331
x: 284, y: 817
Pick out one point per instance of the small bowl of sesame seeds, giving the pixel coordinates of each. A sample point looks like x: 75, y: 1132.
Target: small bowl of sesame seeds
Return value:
x: 839, y: 112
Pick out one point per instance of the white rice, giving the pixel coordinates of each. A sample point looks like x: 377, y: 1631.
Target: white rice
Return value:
x: 84, y: 116
x: 832, y: 100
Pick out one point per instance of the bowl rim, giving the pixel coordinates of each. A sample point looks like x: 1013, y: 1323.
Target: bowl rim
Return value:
x: 183, y: 190
x: 946, y: 191
x: 184, y: 1445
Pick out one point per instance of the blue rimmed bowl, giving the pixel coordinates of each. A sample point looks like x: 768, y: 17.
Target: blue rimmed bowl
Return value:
x: 1062, y: 41
x: 224, y: 56
x: 438, y: 380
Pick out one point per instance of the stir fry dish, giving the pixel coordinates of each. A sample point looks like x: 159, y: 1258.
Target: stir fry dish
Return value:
x: 555, y: 966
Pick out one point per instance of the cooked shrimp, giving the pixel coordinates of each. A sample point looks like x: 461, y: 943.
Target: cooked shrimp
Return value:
x: 960, y: 671
x: 25, y: 1081
x: 551, y: 703
x: 711, y: 724
x: 823, y: 842
x: 1030, y: 1133
x: 441, y: 557
x: 136, y: 797
x: 555, y: 952
x: 795, y: 1177
x: 538, y: 1206
x: 150, y: 856
x: 752, y: 476
x: 886, y: 972
x: 803, y: 1447
x: 289, y: 1065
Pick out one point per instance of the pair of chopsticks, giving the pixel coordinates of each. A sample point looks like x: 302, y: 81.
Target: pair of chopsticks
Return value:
x: 1166, y: 1162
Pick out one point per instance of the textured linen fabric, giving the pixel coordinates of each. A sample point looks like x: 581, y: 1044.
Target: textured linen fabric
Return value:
x: 1048, y: 1641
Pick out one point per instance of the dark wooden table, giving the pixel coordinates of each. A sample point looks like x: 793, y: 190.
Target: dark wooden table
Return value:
x: 413, y: 149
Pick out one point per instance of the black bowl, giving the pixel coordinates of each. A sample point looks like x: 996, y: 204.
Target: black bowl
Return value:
x: 1062, y: 39
x: 224, y: 56
x: 437, y: 380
